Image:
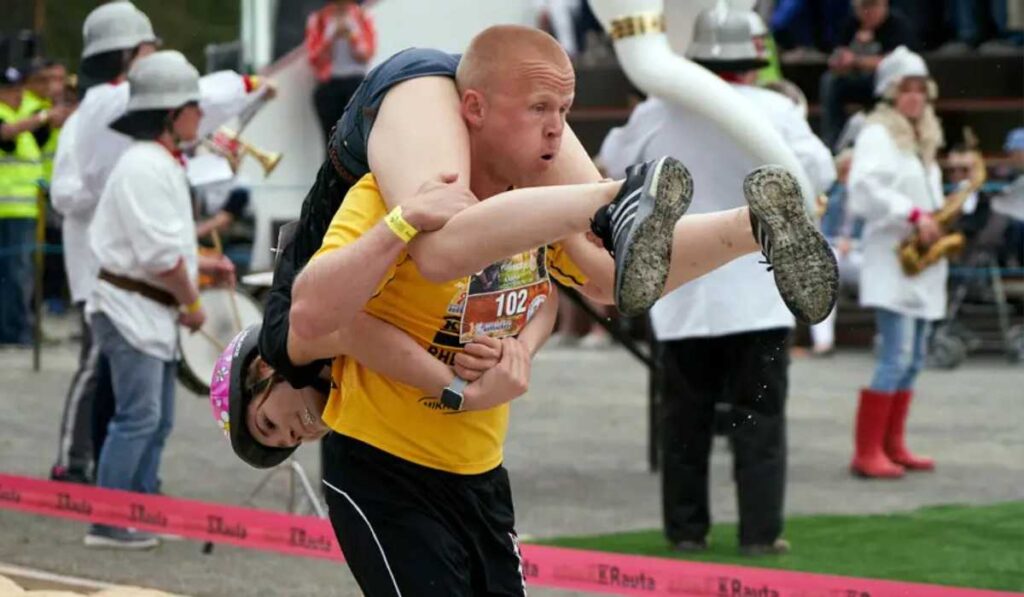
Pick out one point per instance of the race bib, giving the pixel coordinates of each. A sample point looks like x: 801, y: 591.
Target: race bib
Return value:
x: 503, y: 297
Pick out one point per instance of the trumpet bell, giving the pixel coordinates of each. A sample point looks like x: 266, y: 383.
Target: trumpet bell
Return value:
x: 229, y: 144
x: 268, y: 159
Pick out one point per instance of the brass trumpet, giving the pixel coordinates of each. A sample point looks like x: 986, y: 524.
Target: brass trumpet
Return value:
x: 914, y: 257
x: 226, y: 143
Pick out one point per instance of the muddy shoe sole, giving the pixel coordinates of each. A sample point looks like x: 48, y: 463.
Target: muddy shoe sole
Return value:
x: 642, y: 264
x: 804, y: 265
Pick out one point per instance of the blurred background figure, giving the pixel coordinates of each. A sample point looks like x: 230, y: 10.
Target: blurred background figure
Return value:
x: 725, y: 336
x: 807, y: 28
x: 896, y: 185
x: 559, y: 18
x: 47, y: 89
x: 114, y: 36
x: 22, y: 126
x: 865, y: 38
x: 340, y: 41
x: 985, y: 25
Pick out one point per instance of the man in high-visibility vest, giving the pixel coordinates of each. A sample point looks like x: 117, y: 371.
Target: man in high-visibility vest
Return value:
x: 45, y: 91
x: 20, y: 172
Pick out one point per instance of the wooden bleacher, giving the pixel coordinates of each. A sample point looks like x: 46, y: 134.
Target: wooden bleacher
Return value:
x: 984, y: 92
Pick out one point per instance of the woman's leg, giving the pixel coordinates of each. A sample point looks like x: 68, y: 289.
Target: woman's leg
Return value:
x: 138, y: 381
x: 895, y: 353
x: 419, y: 133
x: 149, y: 467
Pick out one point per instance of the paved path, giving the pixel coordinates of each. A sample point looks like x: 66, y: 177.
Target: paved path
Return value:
x: 577, y: 455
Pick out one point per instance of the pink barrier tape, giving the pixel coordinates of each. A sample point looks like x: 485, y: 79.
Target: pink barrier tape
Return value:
x: 308, y: 536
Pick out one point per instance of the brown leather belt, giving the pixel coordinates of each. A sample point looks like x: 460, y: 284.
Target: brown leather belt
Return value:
x: 132, y: 285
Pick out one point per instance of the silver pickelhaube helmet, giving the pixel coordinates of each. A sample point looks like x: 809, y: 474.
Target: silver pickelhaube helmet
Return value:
x: 723, y: 41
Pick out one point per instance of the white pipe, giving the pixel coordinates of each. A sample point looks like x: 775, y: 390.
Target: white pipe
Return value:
x: 653, y: 67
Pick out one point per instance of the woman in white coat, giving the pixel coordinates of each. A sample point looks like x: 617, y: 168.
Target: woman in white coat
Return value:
x: 895, y: 185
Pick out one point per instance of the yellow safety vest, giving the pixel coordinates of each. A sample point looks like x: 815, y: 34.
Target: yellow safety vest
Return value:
x: 33, y: 104
x: 20, y: 170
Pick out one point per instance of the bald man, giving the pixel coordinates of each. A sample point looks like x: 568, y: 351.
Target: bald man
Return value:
x: 418, y: 497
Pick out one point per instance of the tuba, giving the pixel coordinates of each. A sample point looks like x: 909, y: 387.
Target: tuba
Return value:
x: 914, y: 256
x: 637, y: 28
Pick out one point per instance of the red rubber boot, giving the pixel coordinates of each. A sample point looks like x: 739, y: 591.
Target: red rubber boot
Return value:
x: 872, y: 421
x: 895, y: 436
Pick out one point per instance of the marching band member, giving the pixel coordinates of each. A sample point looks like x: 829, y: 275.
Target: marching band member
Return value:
x: 144, y: 239
x: 725, y: 334
x: 895, y: 185
x: 115, y: 35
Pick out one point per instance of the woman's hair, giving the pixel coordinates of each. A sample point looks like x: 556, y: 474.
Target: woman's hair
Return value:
x: 253, y: 374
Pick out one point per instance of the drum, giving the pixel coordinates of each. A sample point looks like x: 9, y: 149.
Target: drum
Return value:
x: 200, y: 350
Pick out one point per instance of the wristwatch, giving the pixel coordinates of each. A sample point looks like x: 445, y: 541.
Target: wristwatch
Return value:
x: 452, y: 396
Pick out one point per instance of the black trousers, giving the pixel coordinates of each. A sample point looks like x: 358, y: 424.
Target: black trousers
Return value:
x: 330, y: 99
x: 748, y: 371
x: 88, y: 408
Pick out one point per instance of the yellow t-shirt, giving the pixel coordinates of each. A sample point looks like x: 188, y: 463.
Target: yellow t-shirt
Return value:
x: 398, y: 418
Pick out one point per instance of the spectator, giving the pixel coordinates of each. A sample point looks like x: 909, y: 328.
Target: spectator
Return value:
x: 1012, y: 254
x: 838, y: 229
x: 20, y: 172
x: 559, y: 18
x: 808, y: 26
x: 45, y: 89
x: 340, y: 41
x: 895, y: 185
x: 726, y: 334
x: 873, y: 31
x: 982, y: 24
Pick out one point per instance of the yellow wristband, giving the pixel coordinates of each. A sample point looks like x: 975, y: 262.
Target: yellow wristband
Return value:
x: 402, y: 229
x: 192, y: 308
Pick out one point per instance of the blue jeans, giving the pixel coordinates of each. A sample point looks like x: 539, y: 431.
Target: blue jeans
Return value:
x: 901, y: 354
x: 17, y: 240
x: 144, y: 416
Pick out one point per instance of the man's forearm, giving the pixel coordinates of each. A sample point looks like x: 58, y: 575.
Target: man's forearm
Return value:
x: 537, y: 331
x: 333, y: 288
x: 179, y: 284
x: 10, y: 131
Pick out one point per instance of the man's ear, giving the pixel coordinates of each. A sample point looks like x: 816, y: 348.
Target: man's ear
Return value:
x: 474, y: 108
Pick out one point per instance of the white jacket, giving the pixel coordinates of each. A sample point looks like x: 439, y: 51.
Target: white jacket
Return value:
x: 89, y: 149
x: 740, y: 296
x: 886, y: 183
x: 68, y: 193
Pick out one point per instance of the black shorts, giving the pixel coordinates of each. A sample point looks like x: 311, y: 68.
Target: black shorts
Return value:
x: 410, y: 530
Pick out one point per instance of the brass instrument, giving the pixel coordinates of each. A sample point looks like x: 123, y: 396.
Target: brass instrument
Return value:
x: 228, y: 144
x: 914, y: 257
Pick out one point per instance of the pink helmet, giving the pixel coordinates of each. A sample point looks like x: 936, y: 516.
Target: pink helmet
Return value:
x: 229, y: 399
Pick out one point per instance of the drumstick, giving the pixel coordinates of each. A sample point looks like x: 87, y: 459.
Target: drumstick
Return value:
x: 217, y: 246
x: 212, y: 340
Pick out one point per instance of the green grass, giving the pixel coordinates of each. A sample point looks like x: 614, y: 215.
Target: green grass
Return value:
x: 980, y: 547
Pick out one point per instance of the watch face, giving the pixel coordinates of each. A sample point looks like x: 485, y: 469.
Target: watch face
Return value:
x: 451, y: 399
